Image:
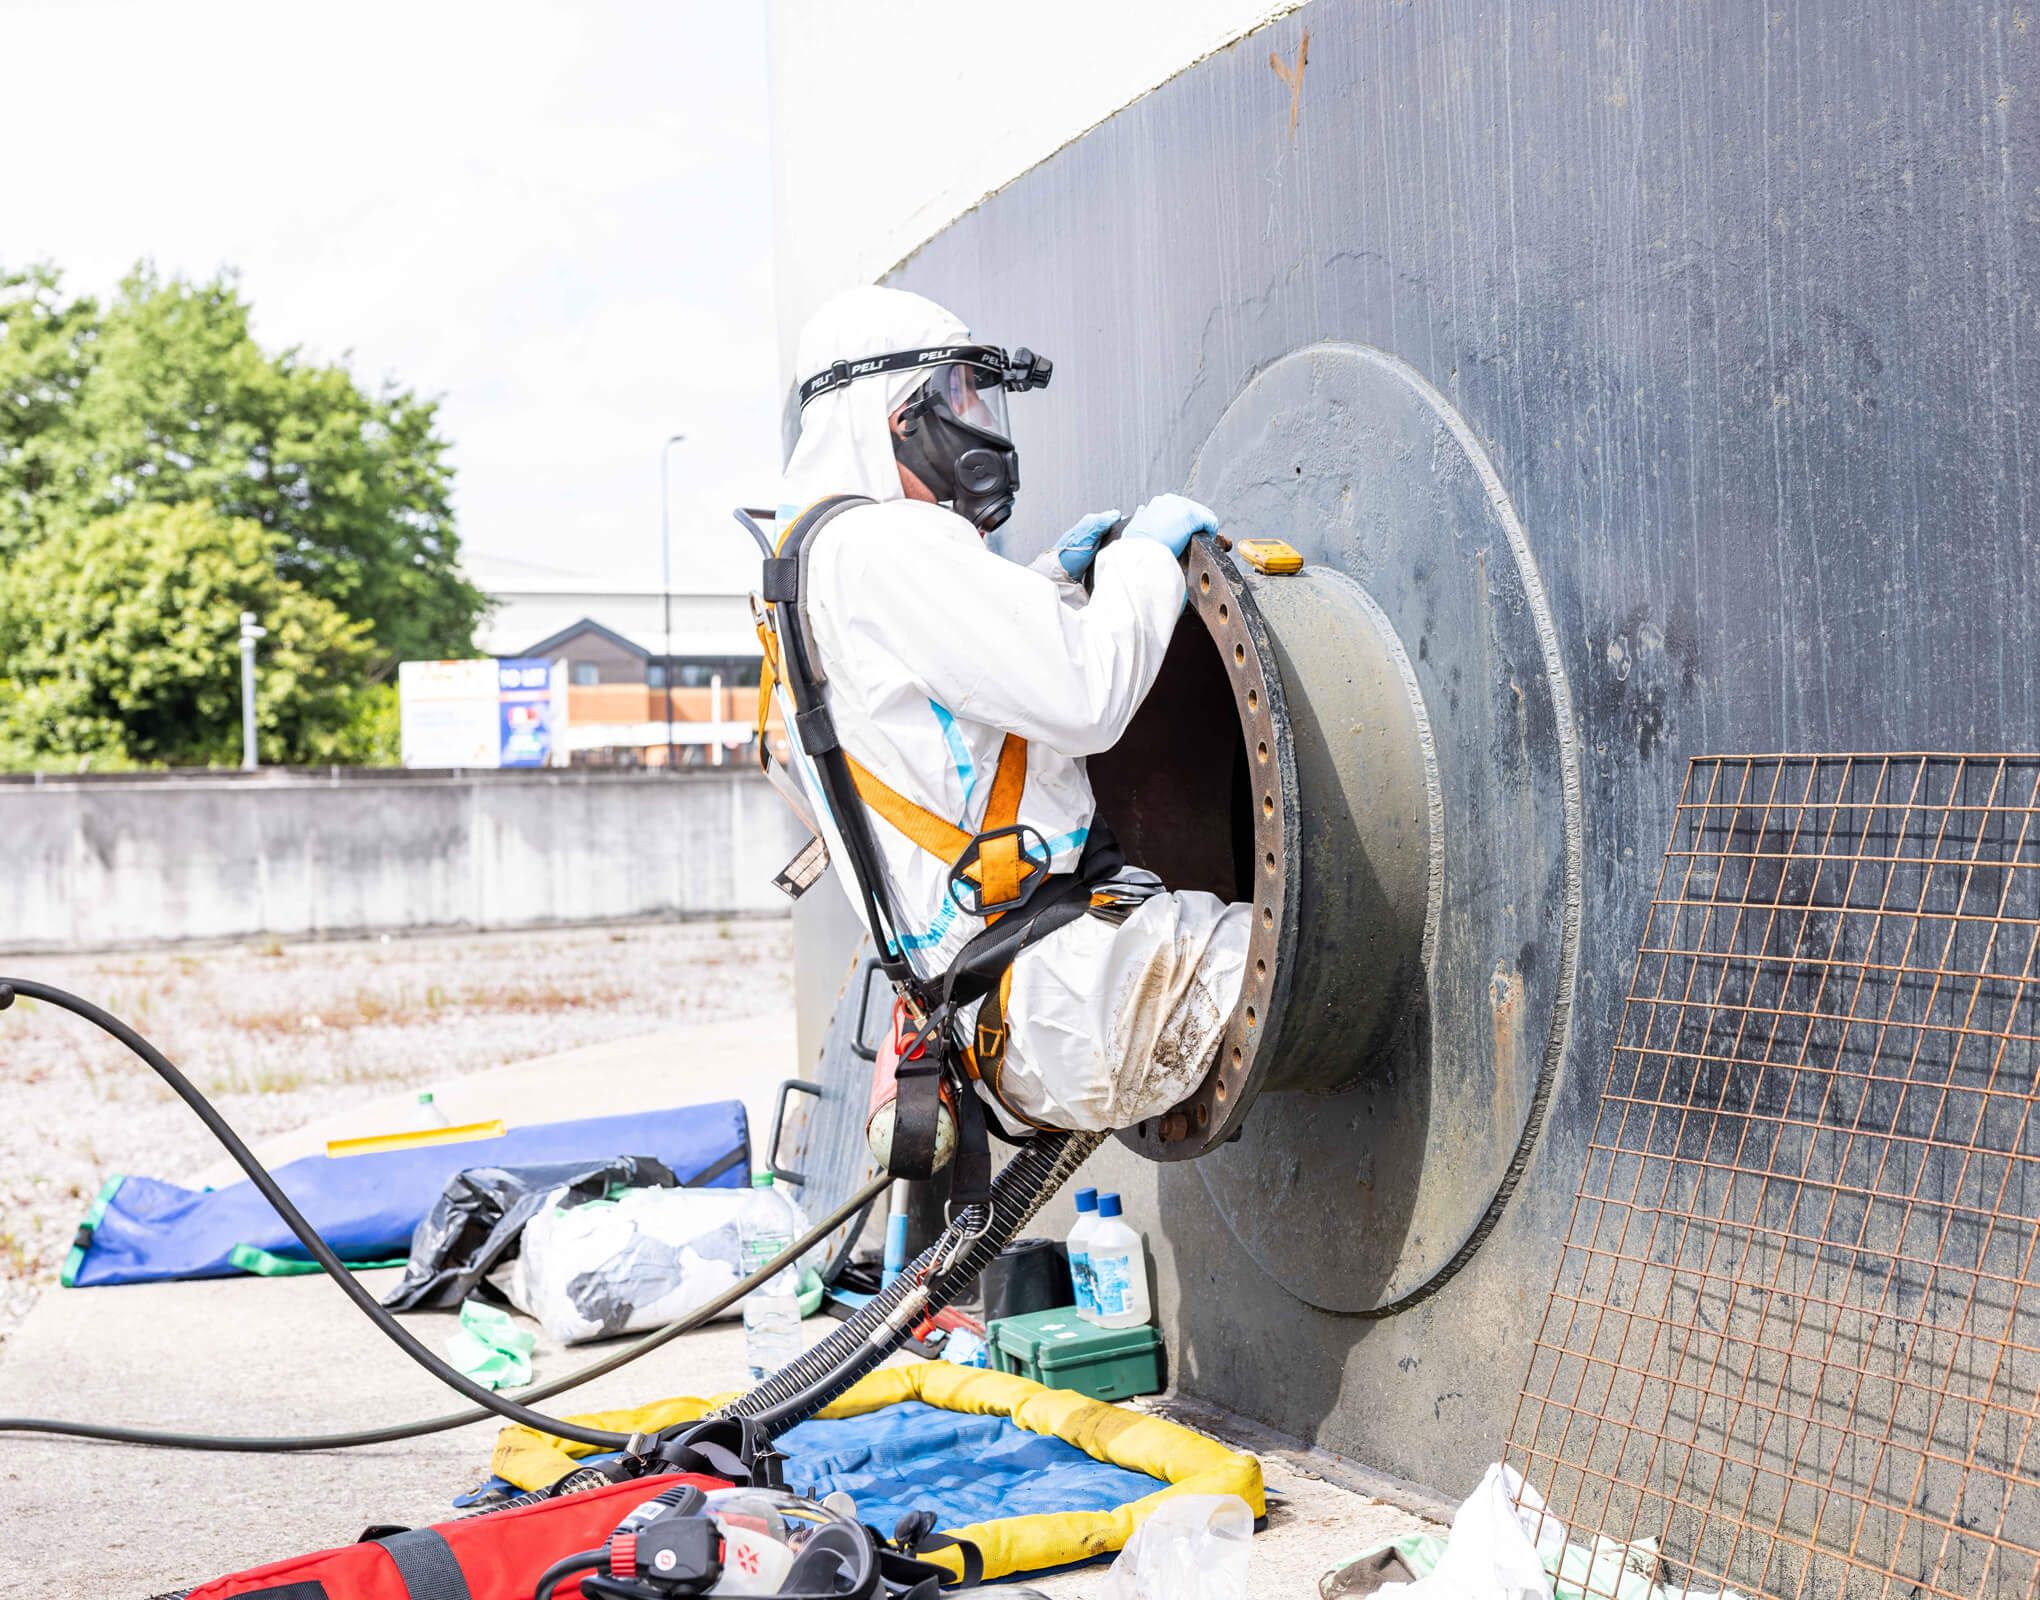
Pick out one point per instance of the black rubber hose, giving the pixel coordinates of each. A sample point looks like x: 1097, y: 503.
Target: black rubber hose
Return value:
x: 566, y: 1567
x: 296, y: 1444
x: 488, y: 1401
x: 810, y: 1381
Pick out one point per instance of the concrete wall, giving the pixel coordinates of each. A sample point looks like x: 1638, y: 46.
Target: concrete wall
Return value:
x: 92, y: 863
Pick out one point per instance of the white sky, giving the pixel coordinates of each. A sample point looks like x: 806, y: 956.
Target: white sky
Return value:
x: 556, y: 217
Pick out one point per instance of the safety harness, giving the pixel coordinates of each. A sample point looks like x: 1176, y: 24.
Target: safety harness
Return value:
x: 1000, y: 874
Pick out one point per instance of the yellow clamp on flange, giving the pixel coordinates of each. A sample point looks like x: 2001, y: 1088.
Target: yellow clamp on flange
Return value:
x: 1270, y: 556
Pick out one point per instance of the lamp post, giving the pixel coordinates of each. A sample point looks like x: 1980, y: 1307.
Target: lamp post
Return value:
x: 666, y: 569
x: 249, y: 634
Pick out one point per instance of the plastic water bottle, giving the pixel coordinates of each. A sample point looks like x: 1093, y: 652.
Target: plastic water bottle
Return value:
x: 772, y: 1310
x: 1079, y: 1240
x: 1118, y: 1265
x: 428, y: 1108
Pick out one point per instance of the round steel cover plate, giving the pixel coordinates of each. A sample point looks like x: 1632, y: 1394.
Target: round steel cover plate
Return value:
x: 1362, y: 1198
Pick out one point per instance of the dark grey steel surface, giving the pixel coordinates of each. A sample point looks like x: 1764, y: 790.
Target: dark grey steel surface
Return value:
x: 1738, y: 300
x: 1418, y: 1149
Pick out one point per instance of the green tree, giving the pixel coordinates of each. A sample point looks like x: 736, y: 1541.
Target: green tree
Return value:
x: 121, y: 644
x: 163, y: 396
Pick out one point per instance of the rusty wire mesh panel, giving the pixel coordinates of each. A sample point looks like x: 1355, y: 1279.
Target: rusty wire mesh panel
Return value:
x: 1795, y: 1337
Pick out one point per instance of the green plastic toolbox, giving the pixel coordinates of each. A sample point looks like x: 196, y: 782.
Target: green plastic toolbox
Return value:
x: 1061, y: 1350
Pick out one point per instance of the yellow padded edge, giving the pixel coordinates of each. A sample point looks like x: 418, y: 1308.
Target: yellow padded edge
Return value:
x: 1187, y: 1461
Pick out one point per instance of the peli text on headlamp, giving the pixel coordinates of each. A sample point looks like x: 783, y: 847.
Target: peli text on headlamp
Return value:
x: 952, y: 432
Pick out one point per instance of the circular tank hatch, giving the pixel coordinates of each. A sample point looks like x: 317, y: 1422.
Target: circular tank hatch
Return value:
x: 1377, y: 754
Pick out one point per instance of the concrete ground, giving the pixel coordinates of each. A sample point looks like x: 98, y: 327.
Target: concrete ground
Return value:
x: 279, y: 1034
x: 275, y: 1356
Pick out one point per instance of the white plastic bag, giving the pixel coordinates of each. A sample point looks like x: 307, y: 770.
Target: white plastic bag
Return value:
x: 1192, y: 1547
x: 1498, y: 1548
x: 636, y: 1262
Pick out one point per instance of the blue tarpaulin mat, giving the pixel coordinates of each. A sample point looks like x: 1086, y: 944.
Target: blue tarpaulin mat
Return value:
x: 963, y: 1468
x: 365, y: 1206
x: 913, y: 1456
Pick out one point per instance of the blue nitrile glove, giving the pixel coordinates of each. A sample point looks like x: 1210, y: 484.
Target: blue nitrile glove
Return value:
x: 1076, y: 549
x: 1170, y: 519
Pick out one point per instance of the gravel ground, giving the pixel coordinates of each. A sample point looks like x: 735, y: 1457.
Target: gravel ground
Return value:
x: 278, y: 1034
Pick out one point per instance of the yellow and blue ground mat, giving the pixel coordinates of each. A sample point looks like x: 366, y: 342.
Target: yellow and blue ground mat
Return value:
x: 1036, y: 1478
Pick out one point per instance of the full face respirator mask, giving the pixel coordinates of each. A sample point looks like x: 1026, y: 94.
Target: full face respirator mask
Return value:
x: 952, y: 432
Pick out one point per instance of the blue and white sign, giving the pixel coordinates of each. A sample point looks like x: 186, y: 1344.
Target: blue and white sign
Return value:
x: 527, y: 711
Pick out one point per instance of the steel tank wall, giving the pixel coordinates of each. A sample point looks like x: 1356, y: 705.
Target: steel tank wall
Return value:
x: 1742, y: 307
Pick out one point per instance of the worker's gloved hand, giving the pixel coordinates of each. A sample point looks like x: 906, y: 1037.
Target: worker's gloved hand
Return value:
x: 1077, y: 548
x: 1170, y: 519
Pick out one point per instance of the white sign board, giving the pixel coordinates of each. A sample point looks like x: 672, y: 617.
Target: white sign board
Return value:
x: 451, y: 713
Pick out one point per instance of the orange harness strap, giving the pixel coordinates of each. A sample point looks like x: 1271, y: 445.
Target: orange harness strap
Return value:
x: 984, y: 1058
x: 1000, y: 868
x: 768, y: 681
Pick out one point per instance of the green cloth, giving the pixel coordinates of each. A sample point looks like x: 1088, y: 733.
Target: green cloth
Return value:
x: 490, y: 1348
x: 100, y: 1201
x: 264, y: 1264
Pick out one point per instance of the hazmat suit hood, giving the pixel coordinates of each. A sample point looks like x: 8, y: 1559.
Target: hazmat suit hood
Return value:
x: 845, y: 444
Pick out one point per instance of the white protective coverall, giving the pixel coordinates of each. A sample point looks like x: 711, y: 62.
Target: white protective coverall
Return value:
x: 935, y: 648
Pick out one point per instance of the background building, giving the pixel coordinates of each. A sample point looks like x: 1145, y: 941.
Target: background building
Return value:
x: 613, y: 636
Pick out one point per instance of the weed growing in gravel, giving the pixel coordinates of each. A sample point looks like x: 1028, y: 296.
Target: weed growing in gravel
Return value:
x: 283, y: 1033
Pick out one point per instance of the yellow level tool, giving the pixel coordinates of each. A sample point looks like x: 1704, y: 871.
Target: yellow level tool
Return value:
x: 1271, y: 556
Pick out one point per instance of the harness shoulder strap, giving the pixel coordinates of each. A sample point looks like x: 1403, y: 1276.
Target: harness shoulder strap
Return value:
x: 794, y: 662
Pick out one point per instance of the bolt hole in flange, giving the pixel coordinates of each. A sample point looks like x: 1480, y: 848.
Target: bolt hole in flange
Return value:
x: 1405, y: 823
x: 1171, y: 790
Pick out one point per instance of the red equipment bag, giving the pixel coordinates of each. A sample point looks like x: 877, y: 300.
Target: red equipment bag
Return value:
x: 496, y: 1556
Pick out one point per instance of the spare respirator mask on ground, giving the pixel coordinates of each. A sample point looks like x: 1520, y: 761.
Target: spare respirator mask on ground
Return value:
x: 952, y: 432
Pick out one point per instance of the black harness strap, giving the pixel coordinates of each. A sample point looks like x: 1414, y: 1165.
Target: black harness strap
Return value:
x: 784, y: 588
x: 915, y: 1534
x: 917, y: 1114
x: 427, y: 1564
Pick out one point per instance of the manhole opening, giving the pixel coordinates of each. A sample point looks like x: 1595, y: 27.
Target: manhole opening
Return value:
x: 1177, y: 789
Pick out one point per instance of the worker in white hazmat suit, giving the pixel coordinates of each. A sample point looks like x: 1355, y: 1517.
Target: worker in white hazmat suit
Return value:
x: 936, y: 650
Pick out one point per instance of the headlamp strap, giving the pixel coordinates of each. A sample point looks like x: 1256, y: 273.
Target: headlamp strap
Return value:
x: 988, y: 358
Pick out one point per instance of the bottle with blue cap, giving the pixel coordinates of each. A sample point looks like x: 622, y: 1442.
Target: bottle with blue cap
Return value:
x: 1116, y: 1262
x: 1079, y: 1237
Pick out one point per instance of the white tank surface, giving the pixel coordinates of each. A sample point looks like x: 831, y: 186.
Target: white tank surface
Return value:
x: 1117, y: 1262
x: 837, y: 173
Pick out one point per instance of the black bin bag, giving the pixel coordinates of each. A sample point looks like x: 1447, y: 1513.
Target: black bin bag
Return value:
x: 474, y: 1226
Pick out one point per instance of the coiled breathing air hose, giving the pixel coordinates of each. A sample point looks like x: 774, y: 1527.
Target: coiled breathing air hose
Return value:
x: 790, y: 1396
x: 797, y: 1391
x: 488, y: 1402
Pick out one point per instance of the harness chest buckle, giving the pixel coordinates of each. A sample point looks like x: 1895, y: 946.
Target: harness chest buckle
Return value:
x: 999, y: 870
